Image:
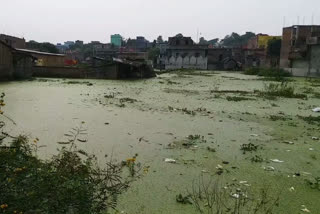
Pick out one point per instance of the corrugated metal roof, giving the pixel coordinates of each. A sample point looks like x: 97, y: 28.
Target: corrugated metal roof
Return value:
x: 38, y: 52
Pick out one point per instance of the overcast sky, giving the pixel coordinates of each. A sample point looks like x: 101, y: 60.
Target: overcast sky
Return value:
x: 90, y: 20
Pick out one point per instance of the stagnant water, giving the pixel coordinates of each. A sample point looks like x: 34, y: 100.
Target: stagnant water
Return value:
x: 123, y: 118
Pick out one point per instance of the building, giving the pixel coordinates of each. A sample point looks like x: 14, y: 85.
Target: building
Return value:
x: 260, y: 41
x: 183, y: 53
x: 300, y: 50
x: 6, y: 61
x: 116, y: 40
x: 140, y: 44
x: 44, y: 59
x: 12, y: 41
x: 69, y: 43
x: 255, y: 52
x: 224, y: 59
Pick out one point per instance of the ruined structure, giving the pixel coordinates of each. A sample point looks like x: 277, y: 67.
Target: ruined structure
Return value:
x: 300, y: 50
x: 224, y: 59
x: 183, y: 53
x: 14, y: 64
x: 6, y: 61
x: 255, y: 52
x: 12, y: 41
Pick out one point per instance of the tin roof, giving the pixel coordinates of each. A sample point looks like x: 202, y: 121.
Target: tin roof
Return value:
x: 38, y: 52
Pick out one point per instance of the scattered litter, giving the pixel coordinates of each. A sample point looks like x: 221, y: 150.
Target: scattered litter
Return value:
x: 315, y: 138
x: 316, y: 109
x: 183, y: 199
x: 306, y: 173
x: 225, y: 162
x: 204, y: 171
x: 276, y: 161
x: 235, y: 195
x: 245, y: 183
x: 219, y: 167
x: 304, y: 209
x: 288, y: 142
x: 254, y: 135
x: 291, y: 189
x: 288, y: 150
x: 269, y: 168
x: 169, y: 160
x: 211, y: 149
x: 311, y: 149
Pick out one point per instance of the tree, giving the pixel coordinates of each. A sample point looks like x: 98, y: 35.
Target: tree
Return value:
x: 274, y: 47
x: 43, y: 47
x: 203, y: 41
x: 159, y: 39
x: 153, y: 54
x: 236, y: 40
x: 179, y: 35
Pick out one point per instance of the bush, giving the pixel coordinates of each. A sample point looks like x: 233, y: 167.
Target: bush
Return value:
x: 273, y: 73
x: 70, y: 182
x: 281, y: 90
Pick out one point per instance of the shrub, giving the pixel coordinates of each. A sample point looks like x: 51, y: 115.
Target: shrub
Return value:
x: 281, y: 90
x: 277, y: 74
x: 70, y: 182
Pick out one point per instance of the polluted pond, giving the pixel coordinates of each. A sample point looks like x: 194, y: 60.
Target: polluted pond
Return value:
x: 188, y: 142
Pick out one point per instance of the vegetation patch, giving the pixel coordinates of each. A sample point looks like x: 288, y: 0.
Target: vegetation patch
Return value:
x: 250, y: 147
x: 273, y: 90
x: 238, y: 99
x: 310, y: 119
x: 275, y: 74
x: 69, y: 182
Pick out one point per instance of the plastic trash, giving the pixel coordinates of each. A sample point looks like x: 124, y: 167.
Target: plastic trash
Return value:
x: 311, y: 149
x: 304, y: 209
x: 276, y: 161
x: 315, y: 138
x: 169, y: 160
x: 254, y: 135
x: 316, y: 109
x: 291, y: 189
x: 269, y: 168
x: 288, y: 142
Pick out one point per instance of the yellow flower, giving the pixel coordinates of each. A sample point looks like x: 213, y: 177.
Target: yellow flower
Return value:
x: 131, y: 160
x: 4, y: 206
x: 18, y: 170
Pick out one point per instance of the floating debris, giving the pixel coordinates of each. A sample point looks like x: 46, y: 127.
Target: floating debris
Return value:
x: 315, y: 138
x: 288, y: 142
x: 291, y: 189
x: 269, y: 168
x: 169, y: 160
x: 316, y: 109
x: 277, y: 161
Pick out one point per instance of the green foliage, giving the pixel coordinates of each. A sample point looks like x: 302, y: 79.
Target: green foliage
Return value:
x: 236, y: 40
x: 281, y: 90
x: 274, y: 47
x: 70, y: 182
x: 276, y: 74
x: 153, y: 54
x: 43, y: 47
x: 238, y: 99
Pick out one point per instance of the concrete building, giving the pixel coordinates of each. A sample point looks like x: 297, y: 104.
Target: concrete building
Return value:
x: 116, y: 40
x: 12, y: 41
x: 224, y: 59
x: 300, y: 50
x: 182, y: 53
